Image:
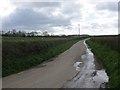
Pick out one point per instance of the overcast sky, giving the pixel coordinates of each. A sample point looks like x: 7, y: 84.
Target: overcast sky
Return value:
x: 61, y: 17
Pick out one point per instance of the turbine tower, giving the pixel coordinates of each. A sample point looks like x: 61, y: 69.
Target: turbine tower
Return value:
x: 78, y: 29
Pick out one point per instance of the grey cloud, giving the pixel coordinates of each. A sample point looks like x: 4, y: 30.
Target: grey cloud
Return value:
x: 37, y: 4
x: 116, y: 25
x: 119, y: 6
x: 95, y: 26
x: 31, y: 19
x: 72, y: 9
x: 45, y: 4
x: 111, y: 6
x: 26, y: 17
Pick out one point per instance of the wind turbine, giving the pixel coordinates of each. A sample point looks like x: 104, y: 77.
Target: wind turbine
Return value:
x: 78, y: 29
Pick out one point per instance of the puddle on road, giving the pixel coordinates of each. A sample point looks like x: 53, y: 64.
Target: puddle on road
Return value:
x: 77, y: 66
x: 88, y: 76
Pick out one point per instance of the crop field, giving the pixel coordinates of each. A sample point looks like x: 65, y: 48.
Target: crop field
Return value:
x: 20, y: 53
x: 15, y: 47
x: 24, y: 39
x: 111, y: 41
x: 106, y: 49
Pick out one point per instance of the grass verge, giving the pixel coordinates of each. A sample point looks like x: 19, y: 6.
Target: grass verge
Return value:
x: 110, y: 59
x: 26, y: 62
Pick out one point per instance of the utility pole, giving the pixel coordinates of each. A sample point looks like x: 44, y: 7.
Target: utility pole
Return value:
x: 78, y: 29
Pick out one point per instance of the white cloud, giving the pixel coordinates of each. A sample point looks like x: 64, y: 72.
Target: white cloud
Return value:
x: 6, y: 8
x: 94, y: 17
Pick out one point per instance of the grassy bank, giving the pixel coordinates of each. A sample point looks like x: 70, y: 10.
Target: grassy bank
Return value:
x: 21, y: 55
x: 109, y: 58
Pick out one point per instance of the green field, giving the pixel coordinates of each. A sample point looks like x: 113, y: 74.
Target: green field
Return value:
x: 111, y: 41
x: 39, y: 38
x: 106, y: 48
x: 20, y: 53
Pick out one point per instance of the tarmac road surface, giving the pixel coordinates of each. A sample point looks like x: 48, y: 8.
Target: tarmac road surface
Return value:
x: 52, y: 74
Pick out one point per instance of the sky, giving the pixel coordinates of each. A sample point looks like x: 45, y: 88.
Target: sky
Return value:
x: 61, y: 16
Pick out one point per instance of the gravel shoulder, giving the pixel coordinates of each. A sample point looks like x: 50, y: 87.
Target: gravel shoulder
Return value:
x: 52, y: 74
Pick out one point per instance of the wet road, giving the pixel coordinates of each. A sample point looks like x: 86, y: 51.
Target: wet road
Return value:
x: 91, y: 74
x: 53, y: 74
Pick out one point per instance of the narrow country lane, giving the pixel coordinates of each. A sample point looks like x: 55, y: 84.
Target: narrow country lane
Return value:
x: 53, y: 74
